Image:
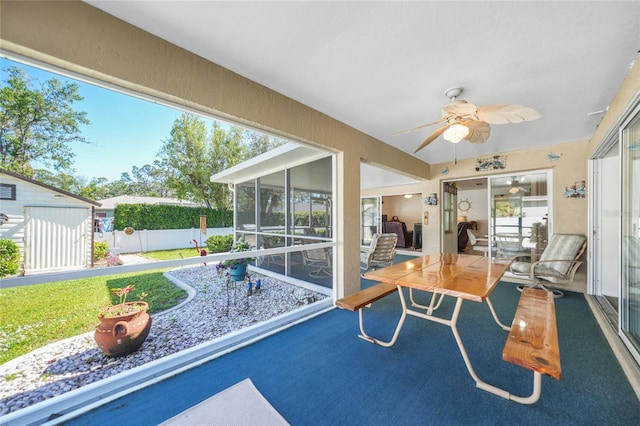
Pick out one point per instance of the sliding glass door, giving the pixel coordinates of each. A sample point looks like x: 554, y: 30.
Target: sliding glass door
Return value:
x: 630, y: 291
x: 520, y: 212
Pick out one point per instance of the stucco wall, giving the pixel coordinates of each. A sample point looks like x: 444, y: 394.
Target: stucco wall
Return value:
x: 569, y: 214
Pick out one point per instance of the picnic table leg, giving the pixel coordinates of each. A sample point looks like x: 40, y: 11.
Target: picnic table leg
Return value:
x: 431, y: 306
x: 495, y: 316
x: 363, y: 334
x: 537, y: 377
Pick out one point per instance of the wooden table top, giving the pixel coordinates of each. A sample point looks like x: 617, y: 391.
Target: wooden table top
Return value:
x: 458, y: 275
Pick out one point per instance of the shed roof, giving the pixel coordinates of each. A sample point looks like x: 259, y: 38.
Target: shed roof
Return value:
x: 49, y: 187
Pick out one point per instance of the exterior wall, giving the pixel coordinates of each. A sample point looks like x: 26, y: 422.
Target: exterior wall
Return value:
x: 82, y: 39
x: 31, y: 195
x: 144, y: 240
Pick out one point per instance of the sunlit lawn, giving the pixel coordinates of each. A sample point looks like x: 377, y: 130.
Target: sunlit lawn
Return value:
x: 172, y: 254
x: 36, y: 315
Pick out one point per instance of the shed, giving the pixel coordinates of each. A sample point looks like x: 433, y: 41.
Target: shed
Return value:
x: 52, y: 227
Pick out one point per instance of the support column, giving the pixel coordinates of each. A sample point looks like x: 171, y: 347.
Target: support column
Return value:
x: 347, y: 212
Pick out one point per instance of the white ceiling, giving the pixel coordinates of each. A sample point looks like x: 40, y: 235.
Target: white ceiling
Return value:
x: 382, y: 67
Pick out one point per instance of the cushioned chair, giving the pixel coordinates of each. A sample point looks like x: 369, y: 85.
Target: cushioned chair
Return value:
x: 557, y: 264
x: 381, y: 252
x: 477, y: 243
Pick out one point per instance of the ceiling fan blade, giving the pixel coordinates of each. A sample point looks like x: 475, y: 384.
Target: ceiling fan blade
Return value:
x: 459, y: 108
x: 479, y: 131
x: 419, y: 127
x: 432, y: 137
x: 503, y: 114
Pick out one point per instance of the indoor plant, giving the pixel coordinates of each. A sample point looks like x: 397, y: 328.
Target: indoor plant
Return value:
x: 123, y: 327
x: 236, y: 268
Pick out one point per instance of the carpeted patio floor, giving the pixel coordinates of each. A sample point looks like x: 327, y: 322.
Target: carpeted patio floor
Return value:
x: 320, y: 373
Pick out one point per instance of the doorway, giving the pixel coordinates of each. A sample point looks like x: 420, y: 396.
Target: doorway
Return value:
x: 515, y: 206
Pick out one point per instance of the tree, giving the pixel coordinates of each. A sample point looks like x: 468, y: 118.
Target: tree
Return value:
x: 259, y: 143
x: 148, y: 181
x: 38, y: 125
x: 189, y: 158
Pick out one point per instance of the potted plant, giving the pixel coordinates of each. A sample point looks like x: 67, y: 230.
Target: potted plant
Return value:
x: 123, y: 327
x: 236, y: 268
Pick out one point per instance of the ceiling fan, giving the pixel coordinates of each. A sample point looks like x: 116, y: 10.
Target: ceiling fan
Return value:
x: 515, y: 185
x: 464, y: 120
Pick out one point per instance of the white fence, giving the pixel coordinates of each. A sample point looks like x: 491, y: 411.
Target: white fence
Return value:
x: 143, y: 241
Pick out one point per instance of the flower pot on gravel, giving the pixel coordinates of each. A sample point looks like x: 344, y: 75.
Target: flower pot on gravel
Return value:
x: 238, y: 272
x: 123, y: 328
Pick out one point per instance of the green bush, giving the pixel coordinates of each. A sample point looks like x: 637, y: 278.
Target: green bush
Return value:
x: 162, y: 216
x: 9, y: 258
x: 100, y: 250
x: 219, y: 243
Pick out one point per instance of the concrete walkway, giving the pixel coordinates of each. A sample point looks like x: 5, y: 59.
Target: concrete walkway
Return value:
x: 133, y: 259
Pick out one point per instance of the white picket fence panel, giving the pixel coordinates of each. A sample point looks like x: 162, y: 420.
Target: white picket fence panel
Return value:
x: 143, y: 240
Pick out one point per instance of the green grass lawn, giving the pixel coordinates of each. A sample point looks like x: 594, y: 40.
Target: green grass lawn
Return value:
x: 172, y: 254
x: 36, y: 315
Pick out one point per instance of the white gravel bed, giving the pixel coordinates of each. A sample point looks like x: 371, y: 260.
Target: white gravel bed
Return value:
x: 72, y: 363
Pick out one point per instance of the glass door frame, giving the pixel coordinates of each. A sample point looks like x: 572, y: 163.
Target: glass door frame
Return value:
x: 626, y: 311
x: 594, y: 288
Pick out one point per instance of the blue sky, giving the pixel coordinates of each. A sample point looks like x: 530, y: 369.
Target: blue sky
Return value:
x: 125, y: 131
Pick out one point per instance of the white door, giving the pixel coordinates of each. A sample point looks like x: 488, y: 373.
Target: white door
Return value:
x: 56, y: 238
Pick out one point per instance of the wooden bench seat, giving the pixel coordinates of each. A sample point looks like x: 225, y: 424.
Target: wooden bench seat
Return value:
x: 533, y: 339
x: 362, y: 298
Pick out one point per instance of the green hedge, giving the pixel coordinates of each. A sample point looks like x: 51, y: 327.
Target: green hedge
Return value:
x: 158, y: 216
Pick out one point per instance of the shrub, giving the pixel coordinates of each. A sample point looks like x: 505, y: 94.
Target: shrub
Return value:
x: 162, y: 216
x: 219, y: 243
x: 9, y: 258
x: 100, y: 250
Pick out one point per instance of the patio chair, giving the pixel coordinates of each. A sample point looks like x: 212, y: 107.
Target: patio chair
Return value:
x: 477, y: 243
x: 320, y: 262
x: 510, y: 245
x: 382, y: 251
x: 558, y: 263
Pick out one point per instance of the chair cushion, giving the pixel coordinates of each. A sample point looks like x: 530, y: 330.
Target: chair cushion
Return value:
x: 520, y: 267
x: 562, y: 246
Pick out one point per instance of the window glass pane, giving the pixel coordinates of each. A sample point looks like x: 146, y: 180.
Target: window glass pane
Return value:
x: 311, y: 186
x: 272, y: 203
x: 245, y: 211
x: 630, y: 306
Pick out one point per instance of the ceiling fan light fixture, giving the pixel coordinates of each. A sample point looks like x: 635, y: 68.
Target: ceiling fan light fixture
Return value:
x: 514, y: 190
x: 455, y: 133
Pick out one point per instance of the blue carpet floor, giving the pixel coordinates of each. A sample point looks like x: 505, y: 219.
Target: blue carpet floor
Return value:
x: 321, y: 373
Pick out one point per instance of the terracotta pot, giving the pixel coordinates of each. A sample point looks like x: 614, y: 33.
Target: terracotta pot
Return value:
x: 123, y: 333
